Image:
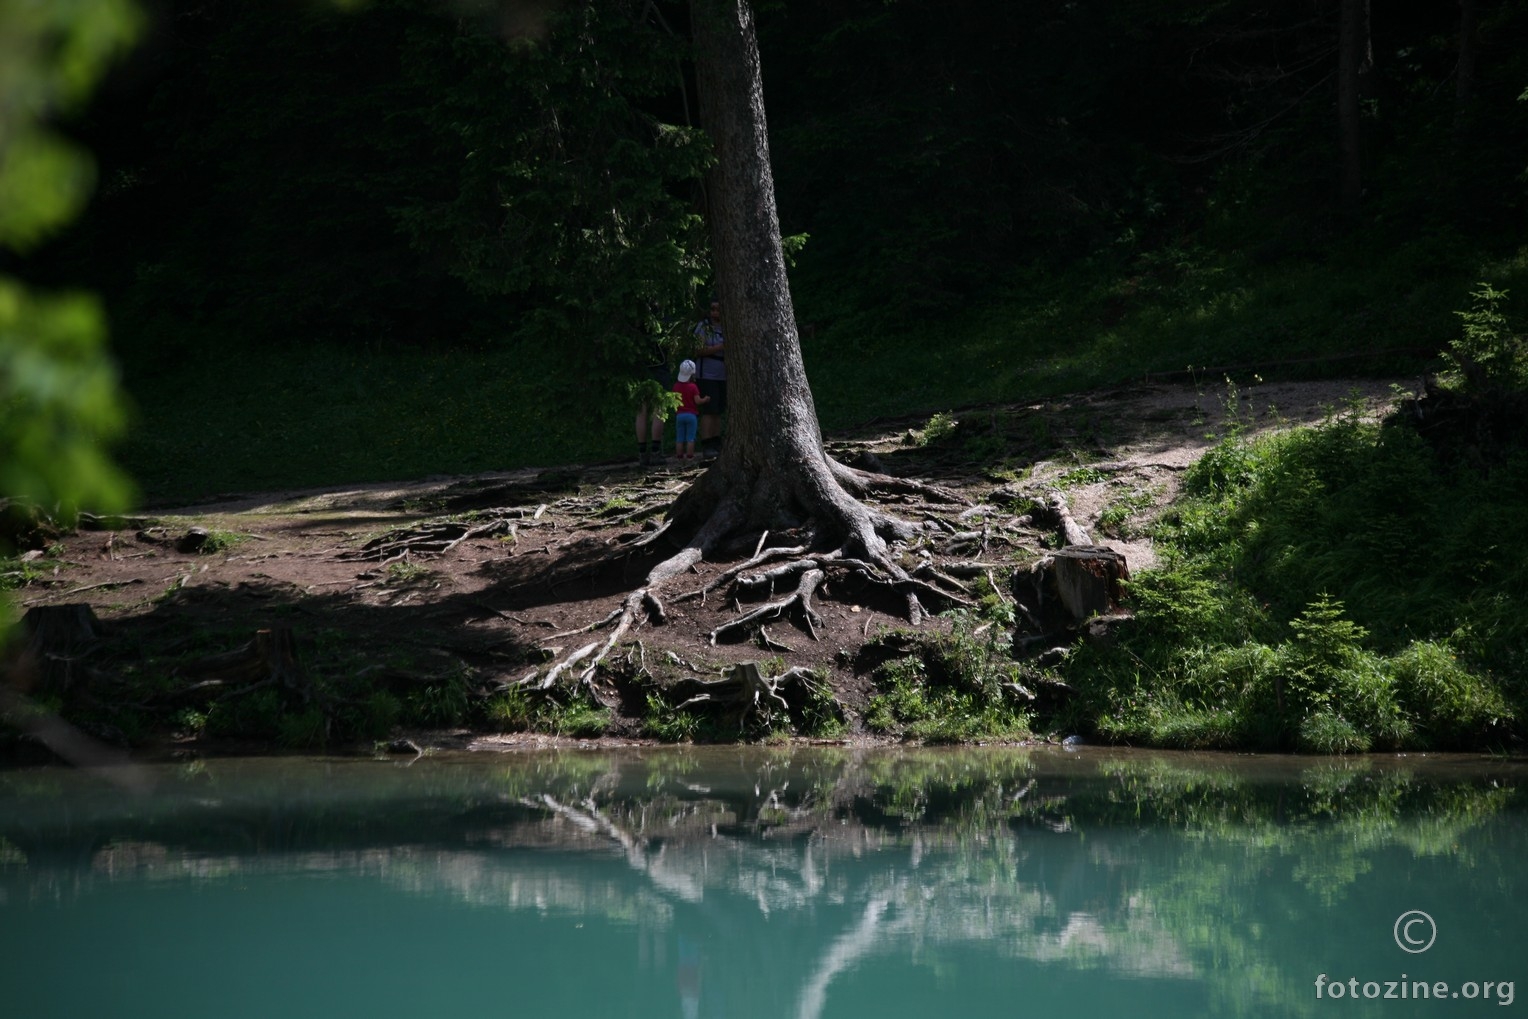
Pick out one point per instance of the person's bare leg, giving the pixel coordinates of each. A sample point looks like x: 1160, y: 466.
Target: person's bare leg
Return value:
x: 655, y: 437
x: 649, y: 437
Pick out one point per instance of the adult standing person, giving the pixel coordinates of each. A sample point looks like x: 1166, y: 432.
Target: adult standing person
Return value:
x: 710, y: 359
x: 650, y: 413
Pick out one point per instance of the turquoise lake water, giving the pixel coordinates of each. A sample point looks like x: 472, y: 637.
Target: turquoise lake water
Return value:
x: 768, y: 882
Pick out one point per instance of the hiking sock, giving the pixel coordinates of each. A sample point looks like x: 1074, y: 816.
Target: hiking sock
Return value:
x: 642, y: 453
x: 655, y: 451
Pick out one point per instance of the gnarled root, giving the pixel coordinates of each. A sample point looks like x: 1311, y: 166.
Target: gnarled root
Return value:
x: 745, y: 693
x: 810, y: 580
x: 862, y: 483
x: 429, y: 539
x: 622, y: 619
x: 825, y: 501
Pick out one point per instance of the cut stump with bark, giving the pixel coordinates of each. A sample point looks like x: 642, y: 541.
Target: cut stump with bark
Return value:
x: 269, y: 659
x: 1088, y: 579
x: 1066, y: 588
x: 57, y: 640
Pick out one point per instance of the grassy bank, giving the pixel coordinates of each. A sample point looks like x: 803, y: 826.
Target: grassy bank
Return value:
x: 1337, y: 589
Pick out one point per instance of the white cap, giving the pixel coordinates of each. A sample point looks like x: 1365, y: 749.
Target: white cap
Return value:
x: 686, y: 371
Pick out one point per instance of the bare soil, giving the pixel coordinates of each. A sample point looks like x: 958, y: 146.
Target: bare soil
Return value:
x: 501, y: 603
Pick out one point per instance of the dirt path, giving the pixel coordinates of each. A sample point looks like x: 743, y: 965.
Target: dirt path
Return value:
x: 500, y: 602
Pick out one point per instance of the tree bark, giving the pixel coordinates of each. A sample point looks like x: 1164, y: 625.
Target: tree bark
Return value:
x: 773, y: 472
x: 1464, y: 76
x: 1354, y: 59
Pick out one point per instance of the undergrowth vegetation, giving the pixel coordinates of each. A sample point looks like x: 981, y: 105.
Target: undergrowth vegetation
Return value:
x: 1342, y: 588
x: 952, y: 687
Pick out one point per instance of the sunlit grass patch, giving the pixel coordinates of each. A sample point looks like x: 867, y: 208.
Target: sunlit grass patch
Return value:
x: 1325, y: 590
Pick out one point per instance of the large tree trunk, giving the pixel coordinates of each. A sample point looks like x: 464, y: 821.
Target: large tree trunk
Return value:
x: 773, y: 472
x: 1464, y: 77
x: 1354, y: 60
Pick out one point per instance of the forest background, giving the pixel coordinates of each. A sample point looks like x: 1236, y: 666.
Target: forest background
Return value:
x: 408, y: 237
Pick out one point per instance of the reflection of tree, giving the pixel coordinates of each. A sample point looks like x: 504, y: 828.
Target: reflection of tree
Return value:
x: 1135, y: 866
x: 847, y: 949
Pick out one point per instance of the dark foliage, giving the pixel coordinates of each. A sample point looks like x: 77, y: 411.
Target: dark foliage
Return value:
x: 492, y: 171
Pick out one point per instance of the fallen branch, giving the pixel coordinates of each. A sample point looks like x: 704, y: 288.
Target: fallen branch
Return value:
x: 1071, y: 532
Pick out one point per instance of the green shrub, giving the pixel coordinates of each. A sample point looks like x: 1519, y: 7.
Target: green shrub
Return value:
x: 1453, y: 708
x: 1333, y: 571
x: 255, y: 715
x: 1197, y: 729
x: 577, y: 719
x: 1325, y: 732
x: 1488, y: 357
x: 445, y: 703
x: 821, y: 715
x: 669, y: 724
x: 940, y: 427
x: 373, y: 718
x: 952, y: 687
x: 510, y: 711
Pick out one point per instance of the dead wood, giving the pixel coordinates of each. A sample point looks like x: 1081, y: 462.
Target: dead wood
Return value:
x: 269, y: 658
x: 1071, y: 532
x: 57, y: 641
x: 1065, y: 589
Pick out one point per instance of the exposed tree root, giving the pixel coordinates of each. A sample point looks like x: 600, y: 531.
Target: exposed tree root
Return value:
x: 768, y: 643
x: 760, y: 557
x: 1071, y: 532
x: 864, y: 483
x: 435, y: 538
x: 810, y: 580
x: 590, y: 657
x: 825, y: 498
x: 747, y: 695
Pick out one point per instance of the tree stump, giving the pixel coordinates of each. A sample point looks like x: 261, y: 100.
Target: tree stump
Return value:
x: 1066, y: 588
x: 269, y: 658
x: 193, y: 540
x: 1088, y: 579
x: 57, y: 638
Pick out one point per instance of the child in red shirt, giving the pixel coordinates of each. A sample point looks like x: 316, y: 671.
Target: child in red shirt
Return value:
x: 689, y: 406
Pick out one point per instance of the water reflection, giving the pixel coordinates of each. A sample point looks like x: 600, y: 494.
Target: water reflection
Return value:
x: 800, y: 882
